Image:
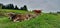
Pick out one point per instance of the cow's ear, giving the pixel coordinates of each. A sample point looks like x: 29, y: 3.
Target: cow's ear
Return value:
x: 7, y: 14
x: 10, y: 14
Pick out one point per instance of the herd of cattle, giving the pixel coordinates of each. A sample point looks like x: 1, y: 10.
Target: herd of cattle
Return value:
x: 21, y: 17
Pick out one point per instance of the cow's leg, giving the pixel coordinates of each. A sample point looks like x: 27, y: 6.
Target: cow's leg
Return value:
x: 25, y: 19
x: 15, y: 20
x: 28, y: 19
x: 10, y: 18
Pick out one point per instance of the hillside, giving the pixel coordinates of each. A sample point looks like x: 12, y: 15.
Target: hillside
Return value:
x: 42, y: 21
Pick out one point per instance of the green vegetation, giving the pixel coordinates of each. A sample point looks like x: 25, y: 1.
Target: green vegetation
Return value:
x: 44, y: 20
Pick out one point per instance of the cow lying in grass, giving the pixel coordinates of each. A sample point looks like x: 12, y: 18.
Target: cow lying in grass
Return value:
x: 20, y: 17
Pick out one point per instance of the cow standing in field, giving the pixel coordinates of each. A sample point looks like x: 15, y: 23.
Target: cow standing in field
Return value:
x: 37, y: 12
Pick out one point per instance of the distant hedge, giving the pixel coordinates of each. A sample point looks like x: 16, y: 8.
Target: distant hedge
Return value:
x: 11, y: 6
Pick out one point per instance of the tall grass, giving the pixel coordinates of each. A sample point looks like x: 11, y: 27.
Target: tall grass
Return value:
x: 41, y: 21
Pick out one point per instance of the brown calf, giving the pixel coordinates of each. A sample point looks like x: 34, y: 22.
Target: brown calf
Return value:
x: 37, y: 11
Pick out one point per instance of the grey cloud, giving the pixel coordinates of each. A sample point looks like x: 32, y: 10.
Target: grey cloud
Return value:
x: 45, y: 5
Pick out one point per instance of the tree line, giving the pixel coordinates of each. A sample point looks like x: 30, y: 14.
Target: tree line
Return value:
x: 11, y: 6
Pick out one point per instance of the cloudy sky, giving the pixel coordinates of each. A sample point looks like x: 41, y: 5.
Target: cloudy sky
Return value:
x: 45, y: 5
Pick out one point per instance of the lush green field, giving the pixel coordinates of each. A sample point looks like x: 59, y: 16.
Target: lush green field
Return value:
x: 10, y: 10
x: 41, y: 21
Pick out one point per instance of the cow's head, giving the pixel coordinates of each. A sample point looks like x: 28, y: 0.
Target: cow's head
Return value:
x: 11, y: 15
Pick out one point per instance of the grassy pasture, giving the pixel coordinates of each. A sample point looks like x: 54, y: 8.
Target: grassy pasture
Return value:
x: 41, y: 21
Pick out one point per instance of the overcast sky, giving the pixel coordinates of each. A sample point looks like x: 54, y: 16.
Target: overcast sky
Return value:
x: 45, y: 5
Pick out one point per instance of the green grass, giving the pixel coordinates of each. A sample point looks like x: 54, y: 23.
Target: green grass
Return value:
x: 41, y: 21
x: 16, y: 11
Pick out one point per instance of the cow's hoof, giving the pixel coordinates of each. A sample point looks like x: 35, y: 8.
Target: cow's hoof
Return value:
x: 14, y: 21
x: 25, y: 19
x: 17, y: 21
x: 28, y: 19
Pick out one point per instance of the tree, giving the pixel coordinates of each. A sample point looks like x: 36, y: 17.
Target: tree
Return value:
x: 21, y: 8
x: 25, y: 7
x: 16, y: 7
x: 58, y: 12
x: 1, y: 5
x: 9, y: 6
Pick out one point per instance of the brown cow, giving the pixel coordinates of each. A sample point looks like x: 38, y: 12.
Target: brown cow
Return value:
x: 37, y: 12
x: 22, y: 17
x: 18, y: 17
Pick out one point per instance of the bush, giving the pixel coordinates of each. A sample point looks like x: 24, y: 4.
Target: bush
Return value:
x: 53, y: 13
x: 2, y: 13
x: 58, y: 12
